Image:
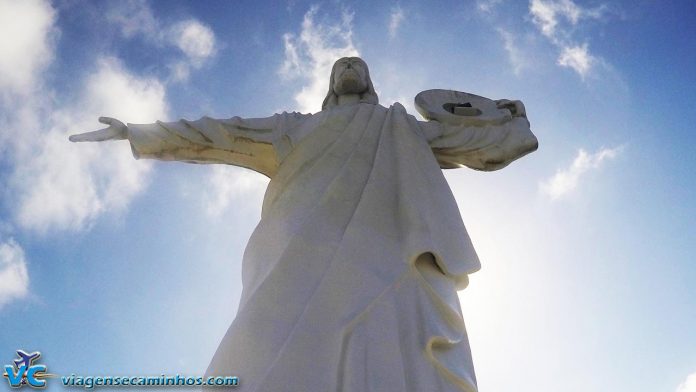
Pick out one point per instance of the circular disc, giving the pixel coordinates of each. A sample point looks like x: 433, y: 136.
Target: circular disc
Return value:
x: 460, y: 108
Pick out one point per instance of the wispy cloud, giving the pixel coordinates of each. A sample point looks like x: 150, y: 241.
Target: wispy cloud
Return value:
x: 226, y: 183
x: 517, y: 59
x: 549, y: 15
x: 546, y: 14
x: 487, y: 5
x: 577, y: 58
x: 516, y: 45
x: 566, y: 180
x: 62, y: 185
x: 396, y: 17
x: 310, y: 55
x: 53, y: 184
x: 195, y: 40
x: 689, y: 385
x: 556, y: 19
x: 14, y: 278
x: 134, y: 17
x: 26, y: 45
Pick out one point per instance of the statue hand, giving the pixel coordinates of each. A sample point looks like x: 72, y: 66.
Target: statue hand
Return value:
x: 516, y: 108
x: 115, y: 131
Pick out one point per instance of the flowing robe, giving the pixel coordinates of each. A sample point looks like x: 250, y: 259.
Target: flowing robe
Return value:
x: 350, y: 278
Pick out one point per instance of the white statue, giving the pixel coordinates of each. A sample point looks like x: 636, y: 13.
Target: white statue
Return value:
x: 350, y: 279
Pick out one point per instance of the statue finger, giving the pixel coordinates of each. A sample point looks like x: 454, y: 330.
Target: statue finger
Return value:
x: 96, y: 136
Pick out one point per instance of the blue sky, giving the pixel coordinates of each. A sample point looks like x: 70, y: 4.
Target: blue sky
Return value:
x: 112, y: 265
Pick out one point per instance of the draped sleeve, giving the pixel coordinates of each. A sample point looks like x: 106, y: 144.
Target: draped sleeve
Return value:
x: 258, y: 144
x: 487, y: 148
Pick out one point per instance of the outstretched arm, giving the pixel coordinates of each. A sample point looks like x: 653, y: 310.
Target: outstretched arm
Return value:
x: 486, y: 147
x: 252, y: 143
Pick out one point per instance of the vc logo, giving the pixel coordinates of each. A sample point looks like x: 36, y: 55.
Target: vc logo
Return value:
x: 25, y: 372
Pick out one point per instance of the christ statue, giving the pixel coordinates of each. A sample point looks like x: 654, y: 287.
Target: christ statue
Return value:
x: 350, y: 279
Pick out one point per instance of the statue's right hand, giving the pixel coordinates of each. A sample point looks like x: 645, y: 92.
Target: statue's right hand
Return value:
x: 116, y: 130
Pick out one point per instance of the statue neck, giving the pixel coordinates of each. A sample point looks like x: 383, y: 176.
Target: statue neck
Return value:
x: 347, y: 99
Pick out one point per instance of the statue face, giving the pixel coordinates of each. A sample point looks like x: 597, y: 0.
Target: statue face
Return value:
x: 350, y: 76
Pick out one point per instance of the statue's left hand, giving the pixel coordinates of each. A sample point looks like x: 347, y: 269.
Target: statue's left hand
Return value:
x: 516, y: 108
x: 116, y: 130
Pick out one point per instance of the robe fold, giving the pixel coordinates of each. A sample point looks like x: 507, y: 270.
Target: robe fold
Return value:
x: 350, y: 278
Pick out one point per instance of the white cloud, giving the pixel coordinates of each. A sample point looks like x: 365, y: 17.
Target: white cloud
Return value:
x: 577, y: 58
x: 689, y: 385
x: 556, y: 19
x: 134, y: 17
x: 52, y: 184
x: 518, y: 60
x: 546, y: 14
x: 549, y: 14
x: 487, y: 5
x: 311, y: 54
x: 396, y: 16
x: 26, y: 45
x: 63, y: 185
x: 226, y: 183
x: 566, y: 180
x: 195, y: 40
x: 14, y: 278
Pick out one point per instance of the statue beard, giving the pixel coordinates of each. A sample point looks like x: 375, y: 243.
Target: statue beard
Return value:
x: 350, y: 82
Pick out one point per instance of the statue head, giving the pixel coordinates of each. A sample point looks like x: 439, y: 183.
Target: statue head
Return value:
x: 350, y: 75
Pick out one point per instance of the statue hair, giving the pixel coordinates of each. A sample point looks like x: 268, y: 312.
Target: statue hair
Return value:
x: 369, y: 96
